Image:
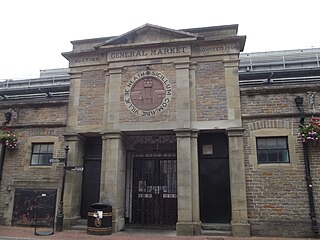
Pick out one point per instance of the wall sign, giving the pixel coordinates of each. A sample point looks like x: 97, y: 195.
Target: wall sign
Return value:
x: 147, y: 93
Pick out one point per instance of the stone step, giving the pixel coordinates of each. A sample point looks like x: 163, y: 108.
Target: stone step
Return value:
x: 81, y: 221
x: 79, y: 224
x: 215, y: 229
x: 79, y: 227
x: 215, y: 233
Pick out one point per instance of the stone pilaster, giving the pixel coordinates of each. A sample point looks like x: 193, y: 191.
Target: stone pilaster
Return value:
x: 113, y: 101
x: 187, y: 183
x: 239, y: 223
x: 73, y: 183
x: 232, y: 89
x: 112, y: 187
x: 183, y: 106
x: 74, y: 97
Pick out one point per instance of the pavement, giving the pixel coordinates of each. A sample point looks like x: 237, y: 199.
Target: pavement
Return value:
x: 28, y: 233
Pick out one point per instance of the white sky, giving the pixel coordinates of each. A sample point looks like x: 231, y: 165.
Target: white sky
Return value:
x: 35, y: 32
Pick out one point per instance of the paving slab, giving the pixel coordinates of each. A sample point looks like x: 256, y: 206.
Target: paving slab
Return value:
x: 27, y: 233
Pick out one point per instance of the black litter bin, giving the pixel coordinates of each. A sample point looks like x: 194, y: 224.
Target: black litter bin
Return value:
x: 99, y: 219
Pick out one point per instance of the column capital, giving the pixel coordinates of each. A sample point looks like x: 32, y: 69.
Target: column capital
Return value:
x: 73, y: 137
x: 231, y: 63
x: 182, y: 65
x: 235, y: 132
x: 112, y: 135
x: 114, y: 69
x: 186, y: 132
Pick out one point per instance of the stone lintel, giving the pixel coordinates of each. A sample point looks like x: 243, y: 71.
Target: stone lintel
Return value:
x: 235, y: 132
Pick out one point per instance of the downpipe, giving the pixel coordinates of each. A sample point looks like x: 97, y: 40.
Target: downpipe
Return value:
x: 308, y: 178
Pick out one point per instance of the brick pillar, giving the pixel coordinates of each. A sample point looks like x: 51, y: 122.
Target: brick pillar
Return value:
x: 73, y: 183
x: 239, y: 223
x: 187, y: 183
x: 113, y: 167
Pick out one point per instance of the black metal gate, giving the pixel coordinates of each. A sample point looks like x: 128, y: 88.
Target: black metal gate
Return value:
x: 154, y: 180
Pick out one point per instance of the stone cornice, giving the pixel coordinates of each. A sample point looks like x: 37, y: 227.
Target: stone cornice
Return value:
x: 275, y: 115
x: 39, y: 125
x: 278, y: 89
x: 33, y: 103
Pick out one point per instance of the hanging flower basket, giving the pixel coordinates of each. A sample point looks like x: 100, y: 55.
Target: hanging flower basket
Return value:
x: 9, y: 139
x: 311, y: 130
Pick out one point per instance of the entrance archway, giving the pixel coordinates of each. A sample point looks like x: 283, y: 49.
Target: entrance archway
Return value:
x: 151, y: 186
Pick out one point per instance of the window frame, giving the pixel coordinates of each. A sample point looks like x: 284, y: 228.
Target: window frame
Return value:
x: 41, y: 139
x: 40, y: 153
x: 269, y: 150
x: 273, y: 132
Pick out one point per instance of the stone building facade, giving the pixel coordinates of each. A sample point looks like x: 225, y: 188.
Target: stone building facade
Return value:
x: 171, y: 131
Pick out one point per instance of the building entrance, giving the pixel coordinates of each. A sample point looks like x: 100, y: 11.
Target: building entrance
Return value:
x: 215, y: 199
x: 91, y: 174
x: 153, y: 181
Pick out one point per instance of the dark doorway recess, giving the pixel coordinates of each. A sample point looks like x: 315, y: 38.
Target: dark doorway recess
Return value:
x: 152, y: 168
x: 215, y: 200
x: 91, y: 174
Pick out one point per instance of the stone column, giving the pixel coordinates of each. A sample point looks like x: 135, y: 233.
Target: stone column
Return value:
x: 239, y: 223
x: 73, y: 183
x: 187, y: 183
x: 112, y: 187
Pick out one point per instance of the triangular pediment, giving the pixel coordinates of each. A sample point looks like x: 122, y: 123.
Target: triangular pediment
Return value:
x: 148, y: 33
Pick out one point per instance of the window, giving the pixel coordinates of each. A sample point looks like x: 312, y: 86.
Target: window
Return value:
x: 41, y: 153
x: 272, y: 150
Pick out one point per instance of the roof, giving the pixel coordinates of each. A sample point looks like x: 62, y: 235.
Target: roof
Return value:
x: 280, y: 66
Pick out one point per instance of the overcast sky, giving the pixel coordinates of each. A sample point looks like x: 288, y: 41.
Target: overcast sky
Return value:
x: 35, y: 32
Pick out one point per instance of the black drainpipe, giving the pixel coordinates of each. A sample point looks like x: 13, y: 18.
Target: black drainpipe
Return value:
x: 313, y: 216
x: 2, y: 150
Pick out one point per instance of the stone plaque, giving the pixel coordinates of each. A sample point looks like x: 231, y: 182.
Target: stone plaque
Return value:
x: 147, y: 93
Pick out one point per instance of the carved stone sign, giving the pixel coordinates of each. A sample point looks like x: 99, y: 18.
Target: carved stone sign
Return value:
x: 147, y: 93
x: 214, y: 49
x: 133, y: 54
x: 87, y: 60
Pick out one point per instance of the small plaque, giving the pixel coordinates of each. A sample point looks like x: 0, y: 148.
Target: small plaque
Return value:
x: 207, y: 149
